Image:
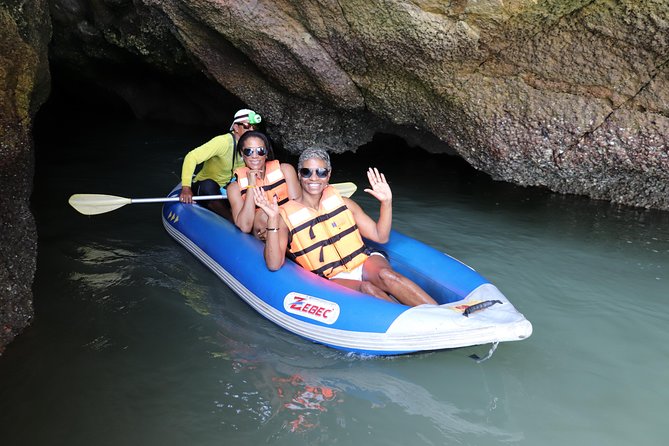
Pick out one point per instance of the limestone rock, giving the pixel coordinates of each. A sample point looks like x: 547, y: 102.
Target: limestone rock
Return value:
x: 570, y: 94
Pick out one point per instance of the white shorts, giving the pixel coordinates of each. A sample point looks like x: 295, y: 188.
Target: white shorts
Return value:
x: 355, y: 273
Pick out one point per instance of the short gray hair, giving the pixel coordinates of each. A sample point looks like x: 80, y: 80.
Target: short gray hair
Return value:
x: 314, y: 153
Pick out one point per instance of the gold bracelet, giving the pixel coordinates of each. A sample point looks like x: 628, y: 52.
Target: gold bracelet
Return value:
x: 272, y: 229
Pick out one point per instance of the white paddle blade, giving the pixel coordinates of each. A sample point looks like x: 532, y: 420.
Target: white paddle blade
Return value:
x: 93, y: 204
x: 345, y: 189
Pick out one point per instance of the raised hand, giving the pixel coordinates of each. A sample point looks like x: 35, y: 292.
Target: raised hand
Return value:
x: 380, y: 188
x: 271, y: 209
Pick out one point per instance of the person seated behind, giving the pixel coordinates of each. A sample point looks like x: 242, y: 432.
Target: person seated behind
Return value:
x: 323, y: 232
x: 260, y: 171
x: 220, y: 159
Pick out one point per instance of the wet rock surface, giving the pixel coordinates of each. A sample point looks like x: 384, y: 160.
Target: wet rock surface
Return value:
x: 571, y: 94
x: 24, y: 35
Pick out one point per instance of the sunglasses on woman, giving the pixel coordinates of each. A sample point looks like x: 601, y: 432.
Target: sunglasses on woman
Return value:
x: 321, y: 172
x: 248, y: 151
x: 246, y: 125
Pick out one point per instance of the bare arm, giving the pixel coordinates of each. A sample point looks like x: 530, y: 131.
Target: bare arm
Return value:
x: 294, y: 188
x: 276, y: 241
x: 243, y: 211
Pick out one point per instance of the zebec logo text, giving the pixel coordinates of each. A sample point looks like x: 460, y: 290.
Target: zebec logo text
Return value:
x: 311, y: 307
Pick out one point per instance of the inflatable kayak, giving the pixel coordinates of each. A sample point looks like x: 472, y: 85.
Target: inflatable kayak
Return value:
x: 471, y: 310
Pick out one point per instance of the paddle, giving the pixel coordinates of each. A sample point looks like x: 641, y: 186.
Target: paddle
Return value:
x: 93, y: 204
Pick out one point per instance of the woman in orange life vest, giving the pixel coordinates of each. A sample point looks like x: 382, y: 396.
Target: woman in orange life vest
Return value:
x: 263, y: 172
x: 322, y: 231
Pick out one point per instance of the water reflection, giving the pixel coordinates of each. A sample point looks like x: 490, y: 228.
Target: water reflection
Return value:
x: 294, y: 387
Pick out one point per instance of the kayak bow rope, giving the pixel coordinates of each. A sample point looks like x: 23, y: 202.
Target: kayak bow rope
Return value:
x: 93, y: 204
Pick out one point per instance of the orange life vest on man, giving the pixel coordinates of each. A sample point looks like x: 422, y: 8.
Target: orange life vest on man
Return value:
x: 274, y: 182
x: 327, y: 241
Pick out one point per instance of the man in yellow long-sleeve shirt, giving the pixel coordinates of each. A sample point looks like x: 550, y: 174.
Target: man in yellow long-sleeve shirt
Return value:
x: 219, y: 160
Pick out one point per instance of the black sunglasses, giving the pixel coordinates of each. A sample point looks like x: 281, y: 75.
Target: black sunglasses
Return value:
x: 248, y: 151
x: 321, y: 172
x: 246, y: 125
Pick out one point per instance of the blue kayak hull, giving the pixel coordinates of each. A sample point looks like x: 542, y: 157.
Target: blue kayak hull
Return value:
x: 324, y: 312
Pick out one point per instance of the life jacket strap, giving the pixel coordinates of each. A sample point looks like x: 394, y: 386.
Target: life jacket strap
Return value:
x: 343, y: 261
x: 328, y: 241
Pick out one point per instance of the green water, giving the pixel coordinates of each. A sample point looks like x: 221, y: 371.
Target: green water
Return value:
x: 136, y: 343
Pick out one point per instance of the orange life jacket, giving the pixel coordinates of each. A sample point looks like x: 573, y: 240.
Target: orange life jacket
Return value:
x: 327, y: 241
x: 274, y: 182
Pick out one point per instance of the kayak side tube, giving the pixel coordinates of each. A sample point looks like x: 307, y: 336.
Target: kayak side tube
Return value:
x: 327, y: 313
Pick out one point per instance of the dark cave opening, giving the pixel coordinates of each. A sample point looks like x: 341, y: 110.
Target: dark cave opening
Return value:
x: 133, y: 92
x: 78, y: 100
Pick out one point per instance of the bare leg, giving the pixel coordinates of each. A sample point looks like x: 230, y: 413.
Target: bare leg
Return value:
x: 364, y: 287
x: 379, y: 272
